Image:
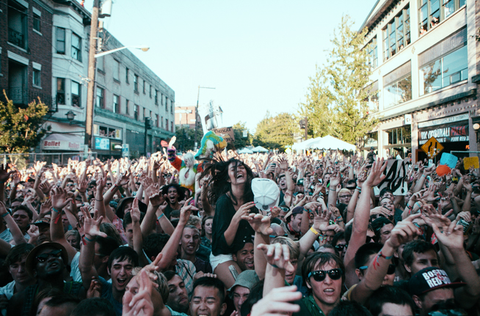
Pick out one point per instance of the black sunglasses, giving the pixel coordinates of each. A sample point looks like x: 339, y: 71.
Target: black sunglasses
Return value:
x: 340, y: 247
x: 320, y: 275
x: 44, y: 256
x: 391, y: 268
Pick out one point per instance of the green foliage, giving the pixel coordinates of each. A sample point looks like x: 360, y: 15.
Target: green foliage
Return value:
x: 20, y: 128
x: 186, y: 138
x: 337, y: 98
x: 240, y: 141
x: 276, y: 132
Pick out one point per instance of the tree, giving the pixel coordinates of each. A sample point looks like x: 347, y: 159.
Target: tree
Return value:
x: 20, y: 128
x: 337, y: 98
x: 185, y: 137
x: 276, y: 132
x: 241, y: 141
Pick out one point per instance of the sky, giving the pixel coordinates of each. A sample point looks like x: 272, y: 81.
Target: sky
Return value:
x: 258, y: 55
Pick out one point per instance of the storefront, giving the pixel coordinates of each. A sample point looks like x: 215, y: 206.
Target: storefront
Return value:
x: 62, y: 142
x: 107, y: 141
x: 452, y: 132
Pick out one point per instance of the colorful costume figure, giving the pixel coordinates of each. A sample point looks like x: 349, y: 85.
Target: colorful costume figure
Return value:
x: 210, y: 144
x: 187, y: 168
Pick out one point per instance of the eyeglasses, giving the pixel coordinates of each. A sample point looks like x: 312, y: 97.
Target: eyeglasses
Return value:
x: 320, y: 275
x: 344, y: 196
x: 391, y: 268
x: 108, y: 184
x: 340, y: 247
x: 44, y: 256
x: 70, y: 184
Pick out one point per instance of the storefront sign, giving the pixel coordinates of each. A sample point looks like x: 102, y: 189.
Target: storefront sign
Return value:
x: 226, y: 133
x: 456, y: 133
x: 62, y: 142
x: 102, y: 143
x: 446, y: 120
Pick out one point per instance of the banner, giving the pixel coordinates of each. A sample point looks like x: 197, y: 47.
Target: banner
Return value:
x: 395, y: 178
x: 226, y: 133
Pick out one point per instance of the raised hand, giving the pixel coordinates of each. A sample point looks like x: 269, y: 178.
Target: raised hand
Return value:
x: 185, y: 212
x: 276, y: 303
x: 91, y: 227
x: 451, y: 236
x: 376, y: 173
x: 321, y: 218
x: 277, y: 255
x: 259, y: 223
x: 404, y: 232
x: 243, y: 211
x: 139, y: 304
x: 431, y: 216
x: 59, y: 198
x: 4, y: 175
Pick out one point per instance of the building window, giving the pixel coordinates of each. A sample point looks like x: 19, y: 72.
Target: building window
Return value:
x: 127, y: 72
x: 156, y: 97
x: 17, y: 24
x: 144, y: 89
x: 156, y: 120
x: 144, y: 113
x: 76, y: 47
x: 100, y: 102
x: 101, y: 64
x: 166, y: 124
x: 372, y: 53
x: 60, y: 35
x: 135, y: 83
x: 60, y: 91
x: 444, y: 71
x: 36, y: 22
x: 166, y: 105
x: 397, y: 86
x: 171, y: 126
x: 76, y: 91
x: 150, y: 91
x: 162, y: 101
x: 135, y: 112
x: 373, y: 97
x: 37, y: 77
x: 161, y: 121
x: 432, y: 12
x: 116, y: 70
x: 116, y: 104
x: 396, y: 35
x: 127, y: 105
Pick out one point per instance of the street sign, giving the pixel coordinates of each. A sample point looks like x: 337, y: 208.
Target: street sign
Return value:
x: 432, y: 147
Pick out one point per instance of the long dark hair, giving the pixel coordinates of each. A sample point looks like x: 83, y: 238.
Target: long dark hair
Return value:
x: 220, y: 184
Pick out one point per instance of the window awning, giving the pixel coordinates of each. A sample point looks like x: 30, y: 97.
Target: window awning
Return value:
x: 62, y: 142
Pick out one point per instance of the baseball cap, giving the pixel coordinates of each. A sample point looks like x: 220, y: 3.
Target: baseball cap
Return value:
x: 265, y: 193
x: 30, y: 262
x: 295, y: 211
x: 430, y: 279
x: 246, y: 279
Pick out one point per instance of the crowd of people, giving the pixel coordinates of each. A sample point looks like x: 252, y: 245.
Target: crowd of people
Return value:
x: 327, y: 233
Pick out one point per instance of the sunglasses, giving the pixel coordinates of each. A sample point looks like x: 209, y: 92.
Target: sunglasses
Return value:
x: 448, y: 312
x: 44, y: 256
x: 391, y: 268
x: 320, y: 275
x: 340, y: 247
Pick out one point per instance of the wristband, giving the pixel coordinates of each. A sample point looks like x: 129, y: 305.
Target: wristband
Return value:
x: 55, y: 210
x: 386, y: 258
x: 160, y: 216
x: 332, y: 190
x: 275, y: 266
x: 5, y: 214
x: 87, y: 239
x: 313, y: 230
x: 359, y: 188
x: 409, y: 207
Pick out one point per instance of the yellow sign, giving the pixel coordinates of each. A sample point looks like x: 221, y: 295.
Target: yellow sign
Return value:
x: 432, y: 147
x: 470, y: 162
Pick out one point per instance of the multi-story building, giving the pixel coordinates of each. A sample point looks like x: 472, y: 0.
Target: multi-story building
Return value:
x: 424, y: 59
x: 44, y: 53
x: 25, y: 57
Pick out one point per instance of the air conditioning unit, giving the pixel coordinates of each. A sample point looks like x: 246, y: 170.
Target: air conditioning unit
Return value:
x: 105, y: 8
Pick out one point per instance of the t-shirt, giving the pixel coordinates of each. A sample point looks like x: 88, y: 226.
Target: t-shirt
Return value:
x: 174, y: 313
x: 8, y: 290
x: 186, y: 270
x: 6, y: 235
x: 108, y: 295
x: 74, y: 270
x: 224, y: 213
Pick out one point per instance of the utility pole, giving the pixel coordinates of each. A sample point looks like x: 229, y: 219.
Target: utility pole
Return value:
x: 91, y: 75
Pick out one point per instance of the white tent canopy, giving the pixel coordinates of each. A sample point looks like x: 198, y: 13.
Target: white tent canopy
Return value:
x: 259, y: 149
x: 327, y: 142
x: 245, y: 151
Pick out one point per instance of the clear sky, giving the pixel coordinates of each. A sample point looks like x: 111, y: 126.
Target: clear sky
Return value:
x: 258, y: 54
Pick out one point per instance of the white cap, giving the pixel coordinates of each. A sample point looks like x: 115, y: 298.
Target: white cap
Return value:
x: 265, y: 193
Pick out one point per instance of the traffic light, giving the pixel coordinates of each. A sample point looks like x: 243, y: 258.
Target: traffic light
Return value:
x: 148, y: 123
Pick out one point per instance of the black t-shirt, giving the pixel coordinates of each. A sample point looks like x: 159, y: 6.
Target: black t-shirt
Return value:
x: 224, y: 213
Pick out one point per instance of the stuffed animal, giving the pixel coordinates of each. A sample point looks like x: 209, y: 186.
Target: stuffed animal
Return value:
x: 187, y: 168
x: 211, y: 143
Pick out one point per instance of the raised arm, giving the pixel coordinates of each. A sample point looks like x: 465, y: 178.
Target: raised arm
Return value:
x: 360, y: 220
x: 59, y: 201
x: 14, y: 229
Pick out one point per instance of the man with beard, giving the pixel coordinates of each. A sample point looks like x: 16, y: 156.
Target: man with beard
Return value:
x: 244, y: 256
x: 177, y: 297
x: 47, y: 263
x: 189, y: 245
x: 119, y: 266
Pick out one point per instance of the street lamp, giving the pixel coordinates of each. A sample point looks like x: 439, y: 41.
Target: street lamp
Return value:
x: 196, y: 115
x: 70, y: 116
x: 143, y: 49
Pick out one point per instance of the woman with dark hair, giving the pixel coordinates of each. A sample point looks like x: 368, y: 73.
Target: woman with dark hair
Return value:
x: 207, y: 227
x: 232, y: 193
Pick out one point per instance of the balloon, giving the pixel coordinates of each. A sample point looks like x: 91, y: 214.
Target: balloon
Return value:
x: 443, y: 170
